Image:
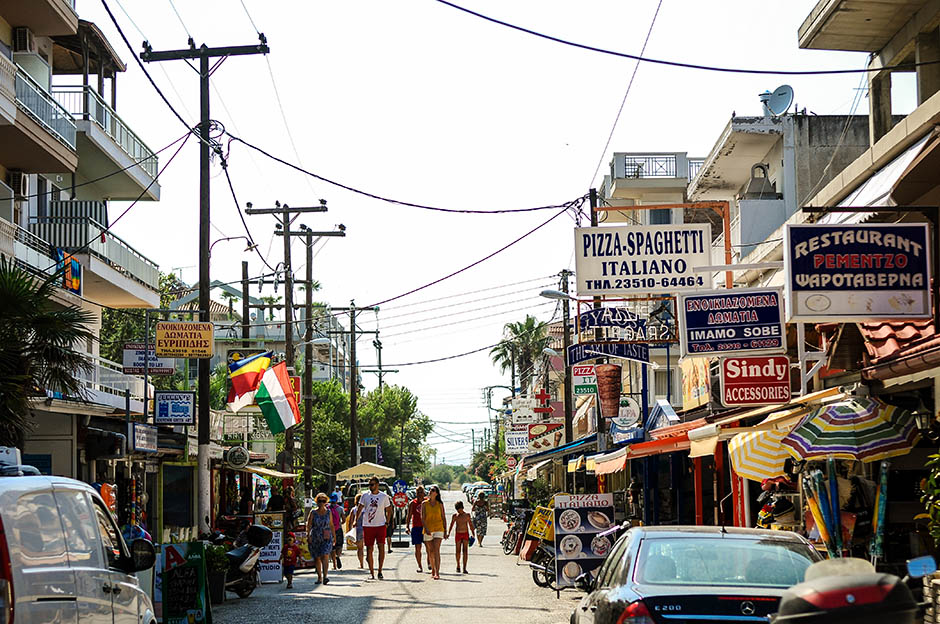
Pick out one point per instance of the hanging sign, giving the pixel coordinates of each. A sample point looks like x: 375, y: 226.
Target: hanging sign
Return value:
x: 585, y: 379
x: 546, y: 435
x: 858, y: 272
x: 517, y: 439
x: 523, y: 410
x: 174, y: 408
x: 631, y: 259
x: 135, y: 358
x: 182, y: 339
x: 578, y: 519
x: 636, y: 352
x: 755, y: 380
x: 143, y: 438
x: 732, y: 321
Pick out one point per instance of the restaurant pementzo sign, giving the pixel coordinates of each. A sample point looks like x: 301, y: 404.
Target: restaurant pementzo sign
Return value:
x: 632, y: 260
x: 857, y: 272
x: 732, y: 321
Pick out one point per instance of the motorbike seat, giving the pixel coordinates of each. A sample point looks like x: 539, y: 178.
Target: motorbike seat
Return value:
x: 237, y: 555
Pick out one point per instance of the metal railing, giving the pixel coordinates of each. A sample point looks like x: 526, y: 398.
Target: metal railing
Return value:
x: 7, y: 77
x: 42, y: 107
x: 85, y: 103
x: 695, y: 165
x: 72, y: 233
x: 107, y: 376
x: 28, y: 250
x: 651, y: 166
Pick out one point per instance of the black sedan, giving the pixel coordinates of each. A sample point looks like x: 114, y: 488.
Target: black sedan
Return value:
x: 695, y: 575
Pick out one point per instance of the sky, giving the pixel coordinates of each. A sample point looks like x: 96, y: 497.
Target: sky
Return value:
x: 417, y: 101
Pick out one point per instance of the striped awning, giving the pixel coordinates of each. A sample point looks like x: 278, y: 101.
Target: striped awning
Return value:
x: 611, y: 462
x: 533, y: 472
x: 576, y: 464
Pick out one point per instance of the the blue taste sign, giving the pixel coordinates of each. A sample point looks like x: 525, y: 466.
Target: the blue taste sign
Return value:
x: 732, y: 321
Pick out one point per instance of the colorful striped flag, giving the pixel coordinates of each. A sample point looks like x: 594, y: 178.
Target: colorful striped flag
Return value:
x: 245, y: 375
x: 276, y: 399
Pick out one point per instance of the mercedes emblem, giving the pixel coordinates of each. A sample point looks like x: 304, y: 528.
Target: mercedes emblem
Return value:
x: 747, y: 607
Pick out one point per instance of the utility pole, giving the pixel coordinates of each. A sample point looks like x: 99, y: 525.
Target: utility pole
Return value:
x: 601, y: 425
x: 353, y: 389
x: 566, y: 342
x: 204, y: 54
x: 246, y: 311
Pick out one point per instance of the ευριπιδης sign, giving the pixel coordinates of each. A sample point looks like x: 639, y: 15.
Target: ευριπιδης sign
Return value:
x: 184, y: 339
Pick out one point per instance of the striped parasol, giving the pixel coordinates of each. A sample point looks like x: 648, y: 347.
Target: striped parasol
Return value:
x: 758, y: 455
x: 860, y: 428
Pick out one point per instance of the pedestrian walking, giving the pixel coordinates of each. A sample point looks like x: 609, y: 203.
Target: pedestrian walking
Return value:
x: 376, y: 507
x: 480, y: 509
x: 357, y: 522
x: 435, y: 521
x: 462, y: 537
x: 415, y: 525
x: 336, y: 511
x: 289, y: 555
x: 321, y: 536
x: 291, y: 509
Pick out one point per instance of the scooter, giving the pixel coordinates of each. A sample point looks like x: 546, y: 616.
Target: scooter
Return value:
x: 843, y: 591
x: 242, y: 575
x: 543, y: 565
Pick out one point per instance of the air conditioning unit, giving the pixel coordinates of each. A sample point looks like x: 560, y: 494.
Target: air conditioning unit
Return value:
x: 19, y: 182
x: 23, y: 40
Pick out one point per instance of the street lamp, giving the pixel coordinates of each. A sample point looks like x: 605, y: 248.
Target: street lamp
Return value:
x: 566, y: 342
x: 556, y: 294
x: 251, y: 246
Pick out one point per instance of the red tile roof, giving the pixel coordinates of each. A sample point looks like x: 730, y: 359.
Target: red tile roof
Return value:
x: 888, y: 340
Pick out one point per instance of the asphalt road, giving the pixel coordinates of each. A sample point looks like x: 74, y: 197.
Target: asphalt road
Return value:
x: 495, y: 590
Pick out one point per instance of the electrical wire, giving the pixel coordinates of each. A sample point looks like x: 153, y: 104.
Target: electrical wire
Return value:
x: 238, y: 209
x: 478, y: 318
x: 462, y: 303
x: 459, y: 313
x: 711, y: 68
x: 464, y: 294
x: 180, y: 18
x: 398, y: 202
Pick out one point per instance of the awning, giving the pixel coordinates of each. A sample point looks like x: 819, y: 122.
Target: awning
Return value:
x: 582, y: 412
x: 578, y: 445
x: 610, y: 462
x: 576, y: 464
x: 268, y: 472
x: 532, y: 473
x: 920, y: 175
x: 366, y: 470
x: 590, y: 462
x: 658, y: 447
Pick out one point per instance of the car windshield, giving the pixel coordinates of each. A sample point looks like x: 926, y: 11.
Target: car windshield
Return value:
x: 722, y: 561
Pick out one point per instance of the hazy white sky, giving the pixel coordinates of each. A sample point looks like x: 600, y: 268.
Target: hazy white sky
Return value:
x: 417, y: 101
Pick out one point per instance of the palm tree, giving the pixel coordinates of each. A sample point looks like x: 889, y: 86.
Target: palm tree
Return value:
x: 36, y: 346
x: 521, y: 347
x: 271, y: 300
x: 230, y: 298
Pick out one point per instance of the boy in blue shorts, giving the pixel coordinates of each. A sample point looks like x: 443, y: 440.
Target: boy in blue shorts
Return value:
x: 416, y: 525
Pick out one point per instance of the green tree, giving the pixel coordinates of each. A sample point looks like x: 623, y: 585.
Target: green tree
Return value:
x: 330, y: 420
x: 271, y: 300
x: 230, y: 299
x: 522, y: 346
x: 391, y: 416
x: 36, y: 346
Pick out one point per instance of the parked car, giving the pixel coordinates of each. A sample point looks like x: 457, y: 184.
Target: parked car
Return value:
x: 351, y: 489
x: 660, y: 574
x: 62, y: 557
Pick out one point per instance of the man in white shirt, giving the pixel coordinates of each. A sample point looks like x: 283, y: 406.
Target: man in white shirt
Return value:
x: 376, y: 510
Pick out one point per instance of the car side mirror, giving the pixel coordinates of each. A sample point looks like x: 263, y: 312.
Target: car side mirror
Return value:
x: 585, y: 582
x: 143, y: 555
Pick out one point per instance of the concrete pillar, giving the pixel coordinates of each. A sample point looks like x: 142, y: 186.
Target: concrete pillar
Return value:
x: 879, y: 101
x: 928, y: 76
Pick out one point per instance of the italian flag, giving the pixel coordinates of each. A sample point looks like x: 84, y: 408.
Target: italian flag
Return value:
x: 276, y: 399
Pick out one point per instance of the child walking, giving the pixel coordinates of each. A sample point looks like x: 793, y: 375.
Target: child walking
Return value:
x: 465, y: 527
x: 289, y: 555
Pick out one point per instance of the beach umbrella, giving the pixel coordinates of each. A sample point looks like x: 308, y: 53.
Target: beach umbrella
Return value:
x: 859, y: 428
x: 758, y: 455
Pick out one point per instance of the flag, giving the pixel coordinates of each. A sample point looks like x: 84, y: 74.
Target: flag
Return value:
x: 276, y: 399
x: 246, y: 375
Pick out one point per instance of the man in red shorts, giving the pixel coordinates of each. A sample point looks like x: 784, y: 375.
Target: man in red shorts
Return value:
x: 376, y: 510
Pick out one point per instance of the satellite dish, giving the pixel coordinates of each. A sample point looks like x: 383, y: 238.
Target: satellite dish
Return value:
x: 780, y: 100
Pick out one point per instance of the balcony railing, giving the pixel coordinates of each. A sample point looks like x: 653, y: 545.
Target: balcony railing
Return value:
x: 652, y: 166
x: 7, y: 78
x: 107, y: 376
x: 73, y: 233
x: 85, y: 103
x: 28, y: 250
x: 42, y: 107
x: 695, y: 165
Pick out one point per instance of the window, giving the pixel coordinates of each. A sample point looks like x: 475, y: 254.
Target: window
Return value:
x: 110, y: 539
x: 660, y: 216
x: 663, y: 383
x: 605, y: 573
x: 38, y: 531
x: 81, y: 534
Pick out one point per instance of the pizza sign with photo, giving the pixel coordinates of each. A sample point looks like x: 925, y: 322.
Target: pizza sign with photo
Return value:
x: 578, y: 521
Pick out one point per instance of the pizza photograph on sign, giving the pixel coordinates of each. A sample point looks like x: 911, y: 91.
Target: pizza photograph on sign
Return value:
x: 755, y: 380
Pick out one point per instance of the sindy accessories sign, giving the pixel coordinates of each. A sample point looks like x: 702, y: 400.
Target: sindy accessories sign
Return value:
x: 632, y: 260
x: 860, y: 272
x: 755, y: 380
x: 732, y: 321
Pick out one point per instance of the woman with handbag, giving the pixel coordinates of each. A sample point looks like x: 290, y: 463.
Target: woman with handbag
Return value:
x: 435, y: 523
x: 321, y: 537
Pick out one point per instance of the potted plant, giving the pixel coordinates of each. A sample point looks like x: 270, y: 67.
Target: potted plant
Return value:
x: 216, y: 567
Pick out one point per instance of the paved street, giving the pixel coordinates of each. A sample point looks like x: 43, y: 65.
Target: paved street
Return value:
x: 495, y: 590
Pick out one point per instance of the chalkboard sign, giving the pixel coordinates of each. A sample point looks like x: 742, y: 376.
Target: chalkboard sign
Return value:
x: 184, y: 592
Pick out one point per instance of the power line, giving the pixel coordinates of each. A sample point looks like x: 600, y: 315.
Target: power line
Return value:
x: 241, y: 216
x: 469, y: 292
x: 478, y: 318
x: 727, y: 70
x: 459, y: 313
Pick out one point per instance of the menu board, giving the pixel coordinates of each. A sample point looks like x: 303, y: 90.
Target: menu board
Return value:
x: 184, y: 593
x: 578, y: 547
x: 269, y: 563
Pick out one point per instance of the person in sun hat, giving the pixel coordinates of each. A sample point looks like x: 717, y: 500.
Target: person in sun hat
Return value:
x: 336, y: 513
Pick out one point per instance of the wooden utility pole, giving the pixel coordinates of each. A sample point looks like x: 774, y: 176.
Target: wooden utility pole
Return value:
x: 203, y: 54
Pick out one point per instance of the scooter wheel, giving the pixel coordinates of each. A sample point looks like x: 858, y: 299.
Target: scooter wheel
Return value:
x: 248, y: 586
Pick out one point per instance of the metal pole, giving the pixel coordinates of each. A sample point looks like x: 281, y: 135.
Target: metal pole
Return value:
x: 203, y: 475
x: 246, y: 311
x: 353, y: 390
x: 601, y: 423
x: 566, y: 342
x: 288, y: 324
x: 146, y: 362
x: 308, y: 370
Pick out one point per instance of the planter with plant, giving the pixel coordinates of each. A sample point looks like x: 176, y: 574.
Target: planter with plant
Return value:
x: 216, y: 567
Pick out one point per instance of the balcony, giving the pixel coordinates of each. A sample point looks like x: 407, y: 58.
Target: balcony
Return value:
x: 106, y: 384
x: 647, y: 178
x: 43, y: 17
x: 106, y: 144
x: 695, y: 165
x: 7, y: 90
x: 43, y: 108
x: 115, y: 274
x: 27, y: 249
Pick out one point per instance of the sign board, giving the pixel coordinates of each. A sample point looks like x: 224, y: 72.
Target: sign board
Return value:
x: 134, y: 361
x: 585, y: 379
x: 546, y: 435
x: 182, y: 339
x: 578, y: 519
x: 540, y: 526
x: 755, y: 380
x: 523, y: 410
x: 608, y: 317
x: 183, y: 589
x: 400, y: 500
x: 269, y: 562
x: 295, y: 386
x: 642, y: 259
x: 636, y: 352
x: 143, y: 437
x: 696, y: 382
x: 511, y: 462
x: 857, y: 272
x: 517, y: 439
x: 174, y: 408
x: 732, y: 321
x: 399, y: 486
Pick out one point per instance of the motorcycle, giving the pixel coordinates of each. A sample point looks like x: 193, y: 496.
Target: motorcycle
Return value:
x: 843, y: 591
x: 543, y: 565
x: 242, y: 575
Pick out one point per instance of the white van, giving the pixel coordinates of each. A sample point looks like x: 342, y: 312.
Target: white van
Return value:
x: 62, y: 557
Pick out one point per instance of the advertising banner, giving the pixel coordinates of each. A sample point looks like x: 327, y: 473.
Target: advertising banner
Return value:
x: 732, y: 321
x: 517, y: 439
x: 857, y: 272
x: 183, y: 588
x: 134, y: 361
x: 182, y: 339
x: 523, y: 411
x: 546, y: 435
x: 578, y: 547
x: 696, y: 382
x: 143, y: 438
x: 584, y: 351
x: 642, y: 259
x: 540, y: 526
x: 585, y: 379
x: 269, y: 563
x: 755, y: 380
x: 174, y: 408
